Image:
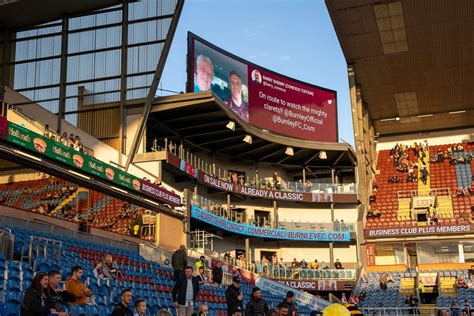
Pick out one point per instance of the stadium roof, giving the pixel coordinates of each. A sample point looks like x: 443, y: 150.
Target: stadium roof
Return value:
x: 412, y: 60
x: 16, y: 14
x: 200, y: 119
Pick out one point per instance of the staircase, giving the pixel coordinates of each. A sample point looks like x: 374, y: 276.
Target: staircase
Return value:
x: 67, y: 200
x: 424, y: 189
x: 404, y: 209
x: 445, y: 206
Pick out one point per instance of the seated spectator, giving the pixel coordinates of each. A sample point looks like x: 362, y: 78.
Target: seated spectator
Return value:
x: 123, y: 308
x: 201, y: 276
x: 203, y: 310
x: 377, y: 213
x: 338, y: 265
x: 75, y: 286
x: 315, y: 264
x: 467, y: 309
x: 460, y: 283
x: 354, y: 299
x: 37, y: 300
x: 372, y: 198
x: 58, y: 296
x: 362, y: 295
x: 383, y: 281
x: 454, y: 309
x: 157, y: 182
x: 140, y: 308
x: 109, y: 269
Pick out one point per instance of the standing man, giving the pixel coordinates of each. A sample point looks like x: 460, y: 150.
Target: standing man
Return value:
x: 201, y: 263
x: 290, y: 301
x: 184, y: 293
x: 234, y: 297
x: 257, y: 306
x: 179, y: 261
x: 217, y: 273
x: 123, y: 308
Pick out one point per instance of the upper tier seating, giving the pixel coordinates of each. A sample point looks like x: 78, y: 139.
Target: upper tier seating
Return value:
x: 58, y: 198
x: 443, y: 175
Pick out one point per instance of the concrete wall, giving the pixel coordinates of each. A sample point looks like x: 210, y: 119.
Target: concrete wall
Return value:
x: 433, y: 138
x: 170, y: 232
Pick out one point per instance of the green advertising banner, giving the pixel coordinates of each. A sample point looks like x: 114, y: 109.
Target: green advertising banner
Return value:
x: 27, y: 139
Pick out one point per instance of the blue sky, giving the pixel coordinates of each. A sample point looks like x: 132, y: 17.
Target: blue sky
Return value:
x: 293, y: 37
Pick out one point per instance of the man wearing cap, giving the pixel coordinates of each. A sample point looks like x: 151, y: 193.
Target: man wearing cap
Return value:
x: 234, y: 297
x: 290, y: 301
x: 257, y: 306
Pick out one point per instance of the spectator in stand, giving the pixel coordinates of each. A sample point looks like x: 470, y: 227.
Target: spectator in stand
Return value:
x: 283, y: 309
x: 343, y: 298
x: 454, y: 309
x: 157, y: 182
x: 257, y: 306
x: 201, y: 276
x: 71, y: 140
x: 424, y: 175
x: 140, y: 308
x: 467, y: 309
x: 185, y: 292
x: 273, y: 312
x: 461, y: 283
x: 315, y: 264
x: 290, y: 301
x: 295, y: 264
x: 63, y: 140
x: 217, y: 273
x: 179, y: 261
x: 203, y: 310
x: 303, y: 264
x: 75, y: 286
x: 57, y: 294
x: 234, y: 297
x: 471, y: 272
x: 201, y: 263
x: 109, y: 269
x: 36, y: 300
x: 164, y: 312
x: 338, y: 265
x: 123, y: 308
x: 412, y: 301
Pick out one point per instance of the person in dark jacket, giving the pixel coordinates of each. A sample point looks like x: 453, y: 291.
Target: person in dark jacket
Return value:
x: 290, y: 301
x: 257, y: 306
x: 184, y: 293
x: 179, y: 261
x: 37, y: 301
x: 234, y: 297
x: 58, y: 295
x: 123, y: 308
x: 217, y: 273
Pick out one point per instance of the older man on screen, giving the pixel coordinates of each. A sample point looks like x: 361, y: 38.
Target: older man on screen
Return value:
x: 204, y: 73
x: 236, y: 102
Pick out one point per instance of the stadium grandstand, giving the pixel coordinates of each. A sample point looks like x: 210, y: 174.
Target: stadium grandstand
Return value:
x: 108, y: 190
x: 408, y: 65
x: 196, y: 202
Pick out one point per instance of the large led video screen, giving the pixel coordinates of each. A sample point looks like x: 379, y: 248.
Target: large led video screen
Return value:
x: 261, y: 97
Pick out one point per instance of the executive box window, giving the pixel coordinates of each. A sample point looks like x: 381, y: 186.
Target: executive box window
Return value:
x: 389, y: 254
x: 444, y: 252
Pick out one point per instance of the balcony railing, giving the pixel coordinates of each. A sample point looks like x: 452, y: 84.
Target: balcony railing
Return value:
x: 254, y: 182
x: 238, y: 215
x: 282, y: 271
